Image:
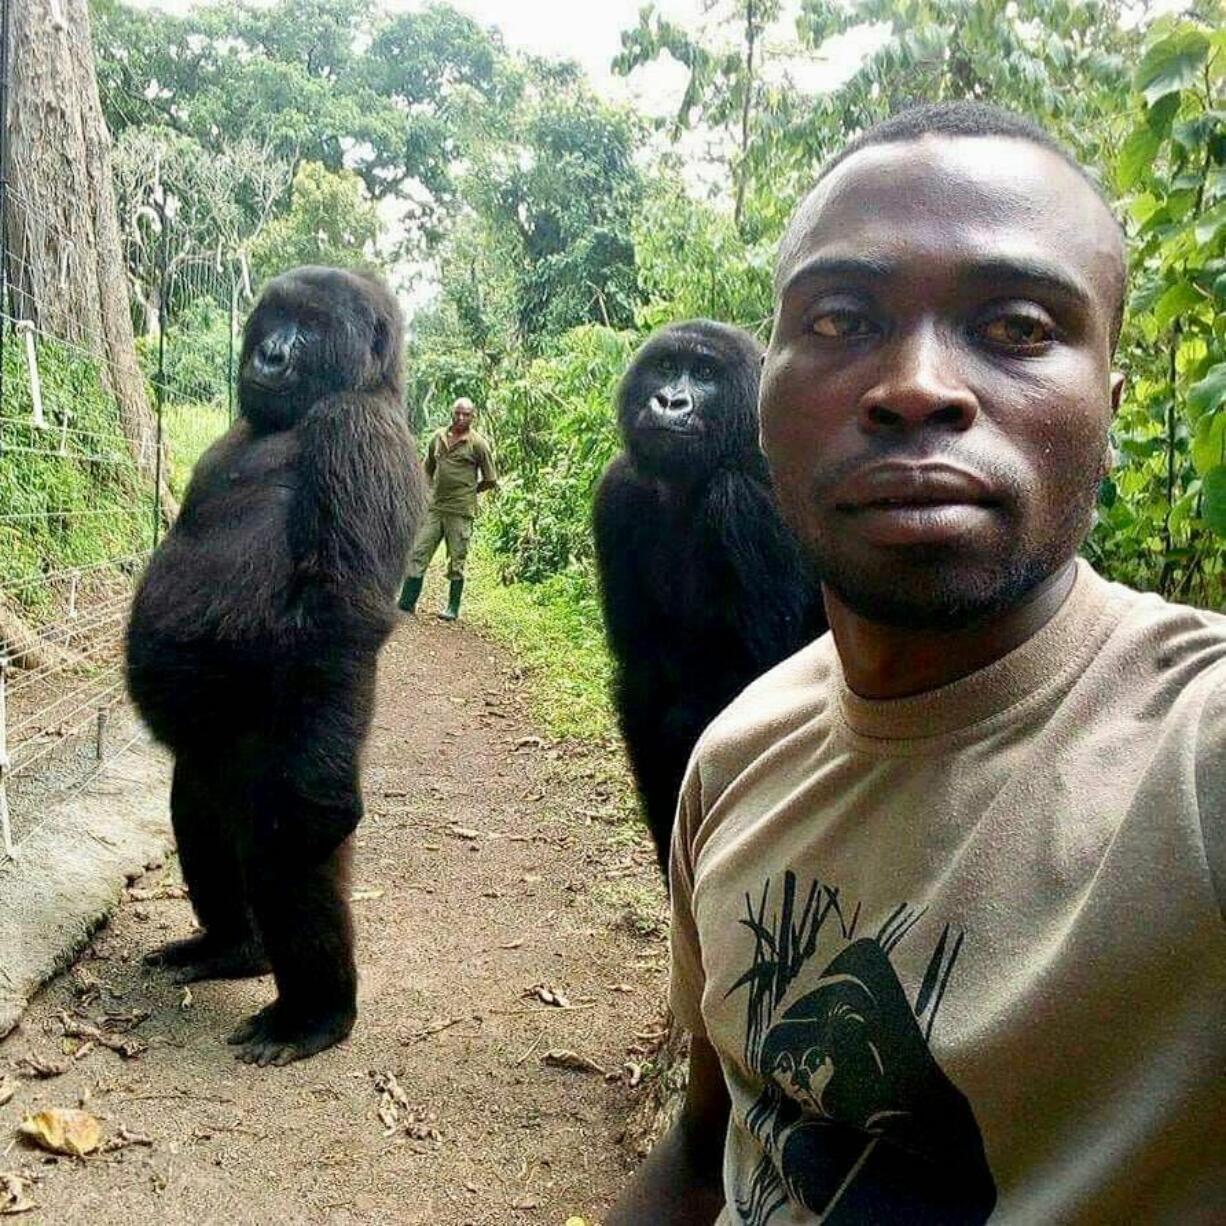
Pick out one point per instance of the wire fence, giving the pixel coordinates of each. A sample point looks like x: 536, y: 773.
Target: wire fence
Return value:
x: 78, y: 520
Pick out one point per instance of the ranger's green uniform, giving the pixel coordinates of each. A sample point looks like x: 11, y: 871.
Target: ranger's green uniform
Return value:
x: 455, y: 470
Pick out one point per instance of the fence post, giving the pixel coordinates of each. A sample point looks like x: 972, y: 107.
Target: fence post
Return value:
x: 159, y: 396
x: 230, y: 355
x: 6, y: 829
x: 26, y: 327
x: 4, y: 180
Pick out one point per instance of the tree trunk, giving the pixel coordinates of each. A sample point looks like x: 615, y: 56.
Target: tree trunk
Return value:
x: 66, y: 266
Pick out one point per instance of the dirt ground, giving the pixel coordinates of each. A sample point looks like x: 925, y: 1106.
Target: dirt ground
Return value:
x: 496, y: 876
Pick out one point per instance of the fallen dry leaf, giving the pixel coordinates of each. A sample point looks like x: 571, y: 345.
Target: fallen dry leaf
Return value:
x: 13, y: 1197
x: 564, y: 1058
x: 38, y: 1066
x: 63, y: 1131
x: 464, y: 832
x: 395, y: 1110
x: 136, y: 894
x: 128, y: 1047
x: 186, y: 1002
x: 123, y: 1138
x: 366, y: 894
x: 548, y: 996
x: 8, y: 1087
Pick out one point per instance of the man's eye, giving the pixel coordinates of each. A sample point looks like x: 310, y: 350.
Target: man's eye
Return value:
x: 1019, y: 332
x: 840, y: 325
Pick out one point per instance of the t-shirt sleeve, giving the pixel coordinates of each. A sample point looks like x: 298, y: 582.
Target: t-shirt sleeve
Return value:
x: 686, y: 977
x: 431, y: 455
x: 1211, y: 787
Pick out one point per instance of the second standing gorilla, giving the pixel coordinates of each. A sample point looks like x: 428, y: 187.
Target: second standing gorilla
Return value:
x: 703, y: 588
x: 252, y: 648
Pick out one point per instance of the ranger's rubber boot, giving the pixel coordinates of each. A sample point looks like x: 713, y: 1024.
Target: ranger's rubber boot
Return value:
x: 410, y: 592
x: 452, y: 611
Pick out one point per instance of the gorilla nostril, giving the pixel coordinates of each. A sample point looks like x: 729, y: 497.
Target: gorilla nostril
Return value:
x: 273, y: 355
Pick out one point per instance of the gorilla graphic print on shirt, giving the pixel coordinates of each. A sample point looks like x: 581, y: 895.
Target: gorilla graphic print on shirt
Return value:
x: 856, y: 1120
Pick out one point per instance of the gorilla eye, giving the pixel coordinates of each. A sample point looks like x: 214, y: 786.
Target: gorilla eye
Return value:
x: 1019, y: 332
x: 843, y: 325
x: 704, y: 370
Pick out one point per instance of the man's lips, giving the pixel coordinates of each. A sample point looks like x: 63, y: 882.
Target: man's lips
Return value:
x: 901, y: 485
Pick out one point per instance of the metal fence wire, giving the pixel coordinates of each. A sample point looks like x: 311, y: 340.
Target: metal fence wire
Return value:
x: 77, y: 519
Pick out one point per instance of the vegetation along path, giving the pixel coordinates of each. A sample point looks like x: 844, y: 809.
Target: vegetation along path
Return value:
x: 512, y: 957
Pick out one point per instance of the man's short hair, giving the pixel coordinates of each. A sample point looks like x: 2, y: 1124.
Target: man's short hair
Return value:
x: 970, y: 118
x: 463, y: 402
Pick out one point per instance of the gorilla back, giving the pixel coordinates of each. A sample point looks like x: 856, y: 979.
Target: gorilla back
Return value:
x: 253, y: 641
x: 702, y: 586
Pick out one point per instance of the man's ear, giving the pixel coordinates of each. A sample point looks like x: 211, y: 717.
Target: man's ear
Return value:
x: 1117, y: 390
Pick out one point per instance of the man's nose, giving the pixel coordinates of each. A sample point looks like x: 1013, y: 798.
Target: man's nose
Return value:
x: 920, y: 384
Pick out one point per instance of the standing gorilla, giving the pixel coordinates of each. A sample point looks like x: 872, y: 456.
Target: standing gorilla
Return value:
x: 702, y: 586
x: 252, y: 648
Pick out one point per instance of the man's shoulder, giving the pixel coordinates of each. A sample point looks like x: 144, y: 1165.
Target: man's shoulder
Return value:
x: 1157, y: 641
x: 479, y: 441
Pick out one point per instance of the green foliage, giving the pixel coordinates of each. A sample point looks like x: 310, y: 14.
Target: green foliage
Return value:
x: 67, y: 499
x: 552, y: 422
x: 329, y: 222
x: 1162, y: 519
x: 331, y: 81
x: 694, y: 264
x: 190, y: 429
x: 554, y: 629
x: 555, y: 189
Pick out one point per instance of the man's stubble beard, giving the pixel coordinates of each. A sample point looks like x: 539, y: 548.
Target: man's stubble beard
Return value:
x: 936, y: 589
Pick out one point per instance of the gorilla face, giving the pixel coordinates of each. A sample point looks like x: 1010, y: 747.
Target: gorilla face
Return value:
x: 315, y: 331
x: 690, y: 399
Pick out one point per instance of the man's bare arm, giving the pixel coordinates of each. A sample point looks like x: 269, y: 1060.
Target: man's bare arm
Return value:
x: 680, y: 1183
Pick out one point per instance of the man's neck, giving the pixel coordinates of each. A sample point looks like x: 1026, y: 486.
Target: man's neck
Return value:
x: 894, y: 662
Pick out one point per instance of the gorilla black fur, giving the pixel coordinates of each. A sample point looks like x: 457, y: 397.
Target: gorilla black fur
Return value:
x: 253, y: 641
x: 703, y: 587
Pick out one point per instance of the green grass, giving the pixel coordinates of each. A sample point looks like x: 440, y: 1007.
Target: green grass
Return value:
x: 190, y: 429
x: 68, y: 497
x: 554, y: 631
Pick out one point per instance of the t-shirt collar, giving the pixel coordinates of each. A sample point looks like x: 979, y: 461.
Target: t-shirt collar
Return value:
x: 1061, y: 646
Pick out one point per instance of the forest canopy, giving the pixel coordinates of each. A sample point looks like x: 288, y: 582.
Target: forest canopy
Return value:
x: 542, y: 230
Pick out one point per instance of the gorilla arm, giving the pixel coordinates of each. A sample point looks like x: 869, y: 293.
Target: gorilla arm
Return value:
x: 358, y: 499
x: 624, y: 510
x: 774, y: 601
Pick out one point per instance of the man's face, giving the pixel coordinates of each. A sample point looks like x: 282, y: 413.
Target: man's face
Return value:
x: 461, y: 418
x: 937, y: 391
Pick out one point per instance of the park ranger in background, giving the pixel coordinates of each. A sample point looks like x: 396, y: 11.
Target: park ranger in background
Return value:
x: 460, y: 465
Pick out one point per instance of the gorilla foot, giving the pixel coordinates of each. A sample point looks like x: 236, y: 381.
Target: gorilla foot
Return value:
x: 205, y: 957
x: 277, y: 1035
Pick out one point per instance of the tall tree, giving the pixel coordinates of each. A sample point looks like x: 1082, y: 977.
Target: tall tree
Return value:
x: 65, y: 257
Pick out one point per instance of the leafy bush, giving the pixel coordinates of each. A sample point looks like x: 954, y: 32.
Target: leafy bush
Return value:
x: 553, y: 425
x: 70, y: 497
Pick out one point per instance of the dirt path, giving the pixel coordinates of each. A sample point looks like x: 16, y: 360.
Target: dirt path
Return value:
x: 489, y: 863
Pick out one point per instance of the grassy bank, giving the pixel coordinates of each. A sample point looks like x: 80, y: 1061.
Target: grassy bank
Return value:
x: 554, y: 631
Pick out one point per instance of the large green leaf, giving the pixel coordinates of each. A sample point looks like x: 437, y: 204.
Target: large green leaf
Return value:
x: 1177, y: 299
x: 1209, y: 443
x: 1137, y: 156
x: 1171, y: 64
x: 1209, y: 392
x: 1208, y: 227
x: 1214, y: 493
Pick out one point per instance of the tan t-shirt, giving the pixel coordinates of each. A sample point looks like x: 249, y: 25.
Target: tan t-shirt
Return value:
x: 963, y: 955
